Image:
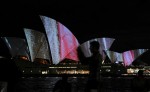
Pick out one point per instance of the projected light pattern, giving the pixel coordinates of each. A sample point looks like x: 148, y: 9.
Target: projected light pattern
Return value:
x: 62, y: 42
x: 17, y: 46
x: 126, y: 57
x: 138, y: 52
x: 130, y: 56
x: 68, y: 43
x: 105, y: 44
x: 50, y: 26
x: 37, y: 43
x: 114, y: 56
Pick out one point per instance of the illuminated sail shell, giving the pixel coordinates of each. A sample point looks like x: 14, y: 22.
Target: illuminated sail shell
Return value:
x: 63, y: 43
x: 37, y: 43
x: 105, y: 44
x: 17, y: 46
x: 126, y: 57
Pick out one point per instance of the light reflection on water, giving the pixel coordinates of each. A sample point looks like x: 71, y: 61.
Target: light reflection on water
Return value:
x: 46, y: 84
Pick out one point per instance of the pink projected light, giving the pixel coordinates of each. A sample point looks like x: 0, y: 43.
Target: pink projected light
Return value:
x: 68, y: 43
x: 131, y: 55
x: 62, y: 42
x: 126, y: 57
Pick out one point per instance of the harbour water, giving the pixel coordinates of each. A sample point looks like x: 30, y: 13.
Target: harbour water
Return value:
x: 46, y: 84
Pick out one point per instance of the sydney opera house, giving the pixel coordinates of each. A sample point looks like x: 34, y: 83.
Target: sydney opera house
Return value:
x: 39, y: 46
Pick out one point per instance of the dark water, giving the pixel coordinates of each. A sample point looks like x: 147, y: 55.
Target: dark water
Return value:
x: 46, y: 84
